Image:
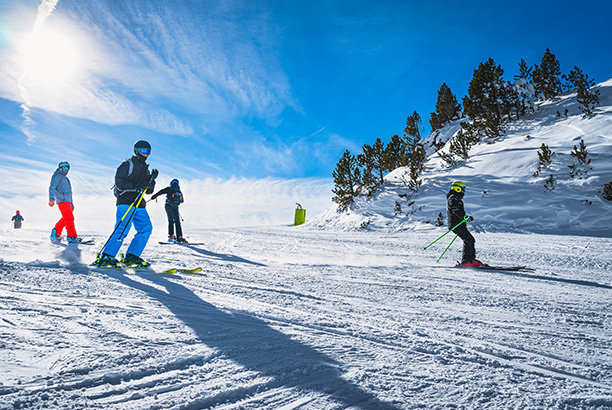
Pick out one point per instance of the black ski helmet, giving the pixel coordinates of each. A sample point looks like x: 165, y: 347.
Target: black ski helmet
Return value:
x: 142, y: 144
x: 174, y: 181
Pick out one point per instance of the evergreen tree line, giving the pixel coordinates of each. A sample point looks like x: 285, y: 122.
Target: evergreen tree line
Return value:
x: 491, y: 103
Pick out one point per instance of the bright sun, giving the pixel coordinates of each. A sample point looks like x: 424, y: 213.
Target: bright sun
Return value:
x: 49, y: 57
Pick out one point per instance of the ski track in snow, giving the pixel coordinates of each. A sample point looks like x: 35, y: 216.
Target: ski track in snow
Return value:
x: 288, y: 318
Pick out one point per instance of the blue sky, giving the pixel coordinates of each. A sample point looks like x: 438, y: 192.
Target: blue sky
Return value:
x: 257, y: 89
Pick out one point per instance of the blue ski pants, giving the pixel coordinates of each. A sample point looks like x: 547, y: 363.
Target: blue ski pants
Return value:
x: 142, y: 224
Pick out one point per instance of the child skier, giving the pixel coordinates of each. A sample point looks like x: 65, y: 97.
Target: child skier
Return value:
x: 174, y: 197
x: 132, y: 181
x: 456, y: 214
x: 17, y: 219
x: 60, y: 192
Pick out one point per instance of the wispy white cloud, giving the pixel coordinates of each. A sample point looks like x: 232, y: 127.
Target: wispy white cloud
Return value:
x: 159, y: 67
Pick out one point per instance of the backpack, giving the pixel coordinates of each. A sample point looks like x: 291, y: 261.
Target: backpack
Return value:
x: 175, y: 197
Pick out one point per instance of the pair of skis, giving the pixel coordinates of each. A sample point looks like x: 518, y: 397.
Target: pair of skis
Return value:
x: 170, y: 271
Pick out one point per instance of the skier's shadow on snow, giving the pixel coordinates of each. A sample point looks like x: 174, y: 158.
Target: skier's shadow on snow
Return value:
x: 253, y: 344
x: 223, y: 256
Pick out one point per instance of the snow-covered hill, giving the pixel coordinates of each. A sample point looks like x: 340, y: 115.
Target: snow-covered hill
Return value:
x: 502, y: 193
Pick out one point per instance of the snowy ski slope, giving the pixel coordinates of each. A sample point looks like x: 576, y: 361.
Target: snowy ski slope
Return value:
x: 292, y: 318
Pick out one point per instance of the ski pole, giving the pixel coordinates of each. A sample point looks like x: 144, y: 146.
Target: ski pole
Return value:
x: 449, y: 245
x: 130, y: 218
x: 121, y: 220
x: 449, y: 231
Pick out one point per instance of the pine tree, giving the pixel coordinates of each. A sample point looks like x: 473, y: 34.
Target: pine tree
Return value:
x: 373, y: 160
x: 584, y: 162
x: 417, y: 166
x: 447, y: 108
x: 522, y: 91
x: 545, y: 158
x: 412, y: 132
x: 346, y: 177
x: 395, y: 154
x: 487, y: 93
x: 587, y: 98
x: 546, y: 77
x: 524, y: 71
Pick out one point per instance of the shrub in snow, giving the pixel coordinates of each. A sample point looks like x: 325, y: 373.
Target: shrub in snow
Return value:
x: 545, y: 158
x: 607, y: 191
x: 549, y: 185
x: 584, y: 162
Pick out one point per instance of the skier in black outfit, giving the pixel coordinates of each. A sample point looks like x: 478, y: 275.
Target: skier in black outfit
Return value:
x: 174, y: 197
x: 456, y: 214
x: 131, y: 180
x: 17, y: 219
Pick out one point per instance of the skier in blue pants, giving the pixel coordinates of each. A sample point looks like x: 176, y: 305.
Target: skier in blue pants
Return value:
x: 131, y: 180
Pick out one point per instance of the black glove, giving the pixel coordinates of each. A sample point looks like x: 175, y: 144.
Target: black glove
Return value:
x: 469, y: 218
x: 154, y: 174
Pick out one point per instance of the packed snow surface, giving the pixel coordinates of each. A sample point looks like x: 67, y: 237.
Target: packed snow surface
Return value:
x: 291, y: 317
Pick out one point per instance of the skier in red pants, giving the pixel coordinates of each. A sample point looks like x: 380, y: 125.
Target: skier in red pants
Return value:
x: 60, y: 191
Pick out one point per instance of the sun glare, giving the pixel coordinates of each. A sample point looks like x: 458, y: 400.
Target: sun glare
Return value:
x: 49, y: 57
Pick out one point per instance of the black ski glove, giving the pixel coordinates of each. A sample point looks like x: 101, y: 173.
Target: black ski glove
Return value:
x: 469, y: 218
x: 154, y: 174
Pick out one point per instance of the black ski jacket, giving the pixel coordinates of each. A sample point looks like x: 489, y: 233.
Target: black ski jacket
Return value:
x: 131, y: 176
x: 454, y: 208
x: 174, y: 197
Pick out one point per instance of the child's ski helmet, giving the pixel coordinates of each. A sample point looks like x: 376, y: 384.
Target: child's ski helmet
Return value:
x: 459, y: 187
x: 174, y: 181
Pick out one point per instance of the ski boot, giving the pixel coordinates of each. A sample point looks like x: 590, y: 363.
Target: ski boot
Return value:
x: 76, y: 239
x: 180, y: 239
x: 171, y: 239
x: 54, y: 236
x: 134, y: 261
x: 107, y: 260
x: 473, y: 264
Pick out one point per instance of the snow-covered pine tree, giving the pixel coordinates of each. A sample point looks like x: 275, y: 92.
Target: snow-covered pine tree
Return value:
x: 546, y: 77
x: 347, y: 177
x: 587, y: 98
x: 522, y: 92
x: 447, y: 108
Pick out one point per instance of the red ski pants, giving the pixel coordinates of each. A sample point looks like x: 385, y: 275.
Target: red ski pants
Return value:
x: 67, y: 220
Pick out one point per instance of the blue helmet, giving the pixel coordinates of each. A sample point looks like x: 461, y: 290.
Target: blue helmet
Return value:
x: 174, y: 181
x: 64, y: 166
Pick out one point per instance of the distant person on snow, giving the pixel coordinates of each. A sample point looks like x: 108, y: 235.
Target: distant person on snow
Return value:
x: 17, y: 219
x: 174, y: 197
x: 456, y: 214
x: 60, y: 192
x: 132, y: 181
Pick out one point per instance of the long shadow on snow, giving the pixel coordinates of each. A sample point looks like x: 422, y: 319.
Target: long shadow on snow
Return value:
x: 252, y: 343
x: 223, y: 256
x: 554, y: 279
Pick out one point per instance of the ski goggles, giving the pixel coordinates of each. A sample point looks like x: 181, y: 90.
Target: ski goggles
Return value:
x: 64, y: 166
x: 144, y: 151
